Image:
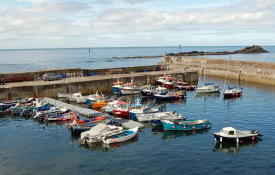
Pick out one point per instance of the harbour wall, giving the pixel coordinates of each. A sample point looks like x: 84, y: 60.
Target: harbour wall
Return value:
x: 258, y: 72
x: 74, y: 72
x: 85, y: 85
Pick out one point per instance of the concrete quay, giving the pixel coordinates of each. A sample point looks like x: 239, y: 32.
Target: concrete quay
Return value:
x: 250, y: 71
x: 86, y: 85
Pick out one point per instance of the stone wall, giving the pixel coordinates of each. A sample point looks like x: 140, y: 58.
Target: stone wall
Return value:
x: 259, y: 72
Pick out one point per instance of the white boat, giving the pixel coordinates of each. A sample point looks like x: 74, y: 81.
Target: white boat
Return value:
x: 159, y: 116
x: 121, y: 137
x: 229, y: 134
x: 208, y: 88
x: 75, y: 96
x: 64, y: 95
x: 130, y: 89
x: 110, y: 106
x: 98, y: 132
x: 232, y: 92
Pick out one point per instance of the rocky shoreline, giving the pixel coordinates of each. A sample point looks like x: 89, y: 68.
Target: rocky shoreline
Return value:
x: 247, y: 50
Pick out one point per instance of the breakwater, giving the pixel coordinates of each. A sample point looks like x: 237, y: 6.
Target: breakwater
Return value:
x: 258, y: 72
x: 85, y: 85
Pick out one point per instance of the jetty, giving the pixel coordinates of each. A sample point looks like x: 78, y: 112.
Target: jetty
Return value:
x: 88, y: 82
x: 77, y: 109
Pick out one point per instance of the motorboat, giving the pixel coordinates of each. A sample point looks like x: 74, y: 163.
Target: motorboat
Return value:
x: 168, y: 96
x: 185, y: 125
x: 73, y: 97
x: 208, y: 88
x: 230, y: 134
x: 232, y: 92
x: 98, y: 132
x: 185, y: 86
x: 148, y: 91
x: 121, y: 110
x: 130, y: 89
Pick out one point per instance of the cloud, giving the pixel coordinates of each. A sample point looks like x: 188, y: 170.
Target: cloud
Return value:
x: 70, y: 22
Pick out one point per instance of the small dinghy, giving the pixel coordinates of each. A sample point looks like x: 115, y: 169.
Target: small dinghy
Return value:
x: 229, y: 134
x: 98, y: 132
x: 121, y: 137
x: 185, y: 125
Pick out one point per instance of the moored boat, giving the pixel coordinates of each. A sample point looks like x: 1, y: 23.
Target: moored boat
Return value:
x: 172, y: 115
x: 208, y: 88
x: 121, y: 137
x: 230, y: 134
x: 185, y: 125
x: 232, y: 92
x: 117, y: 87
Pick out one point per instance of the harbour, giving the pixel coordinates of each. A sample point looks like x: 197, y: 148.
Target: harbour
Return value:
x: 193, y: 149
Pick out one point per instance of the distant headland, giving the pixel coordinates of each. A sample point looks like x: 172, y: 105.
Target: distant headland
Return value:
x: 247, y: 50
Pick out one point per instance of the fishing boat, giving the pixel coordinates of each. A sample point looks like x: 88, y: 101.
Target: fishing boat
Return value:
x: 120, y: 137
x: 208, y: 88
x: 172, y: 115
x: 184, y: 86
x: 148, y: 91
x: 117, y: 87
x: 98, y: 132
x: 232, y: 92
x: 99, y: 104
x: 230, y: 134
x: 185, y: 125
x: 169, y: 96
x: 110, y: 106
x: 169, y: 83
x: 122, y: 110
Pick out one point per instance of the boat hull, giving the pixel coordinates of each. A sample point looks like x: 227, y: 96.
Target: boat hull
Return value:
x: 222, y: 139
x: 129, y: 91
x: 185, y: 126
x: 232, y: 95
x: 121, y: 114
x: 116, y: 90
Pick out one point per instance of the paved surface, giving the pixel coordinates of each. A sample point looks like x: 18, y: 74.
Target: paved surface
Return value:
x: 84, y: 79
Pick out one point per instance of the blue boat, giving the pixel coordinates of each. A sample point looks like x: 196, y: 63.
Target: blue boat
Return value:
x: 117, y: 87
x: 185, y: 125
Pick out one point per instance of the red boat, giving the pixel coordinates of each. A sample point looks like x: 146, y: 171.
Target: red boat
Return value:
x: 185, y: 86
x: 122, y: 110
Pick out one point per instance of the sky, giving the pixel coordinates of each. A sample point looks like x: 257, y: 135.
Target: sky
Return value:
x: 134, y: 23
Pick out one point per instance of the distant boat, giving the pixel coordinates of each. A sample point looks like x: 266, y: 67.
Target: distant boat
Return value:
x: 121, y: 137
x: 117, y: 87
x: 229, y: 134
x: 164, y: 95
x: 185, y: 125
x: 184, y: 86
x: 130, y: 89
x: 159, y: 116
x: 232, y: 92
x: 208, y: 88
x: 148, y: 91
x: 73, y: 97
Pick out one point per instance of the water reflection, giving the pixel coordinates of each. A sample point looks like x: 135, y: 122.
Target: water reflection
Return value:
x: 233, y: 148
x: 208, y: 95
x: 171, y: 135
x: 107, y: 147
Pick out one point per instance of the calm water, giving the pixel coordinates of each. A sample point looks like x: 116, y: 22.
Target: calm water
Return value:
x: 36, y: 59
x: 27, y: 147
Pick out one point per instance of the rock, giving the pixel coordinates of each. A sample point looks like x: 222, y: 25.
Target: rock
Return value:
x: 247, y: 50
x: 251, y: 50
